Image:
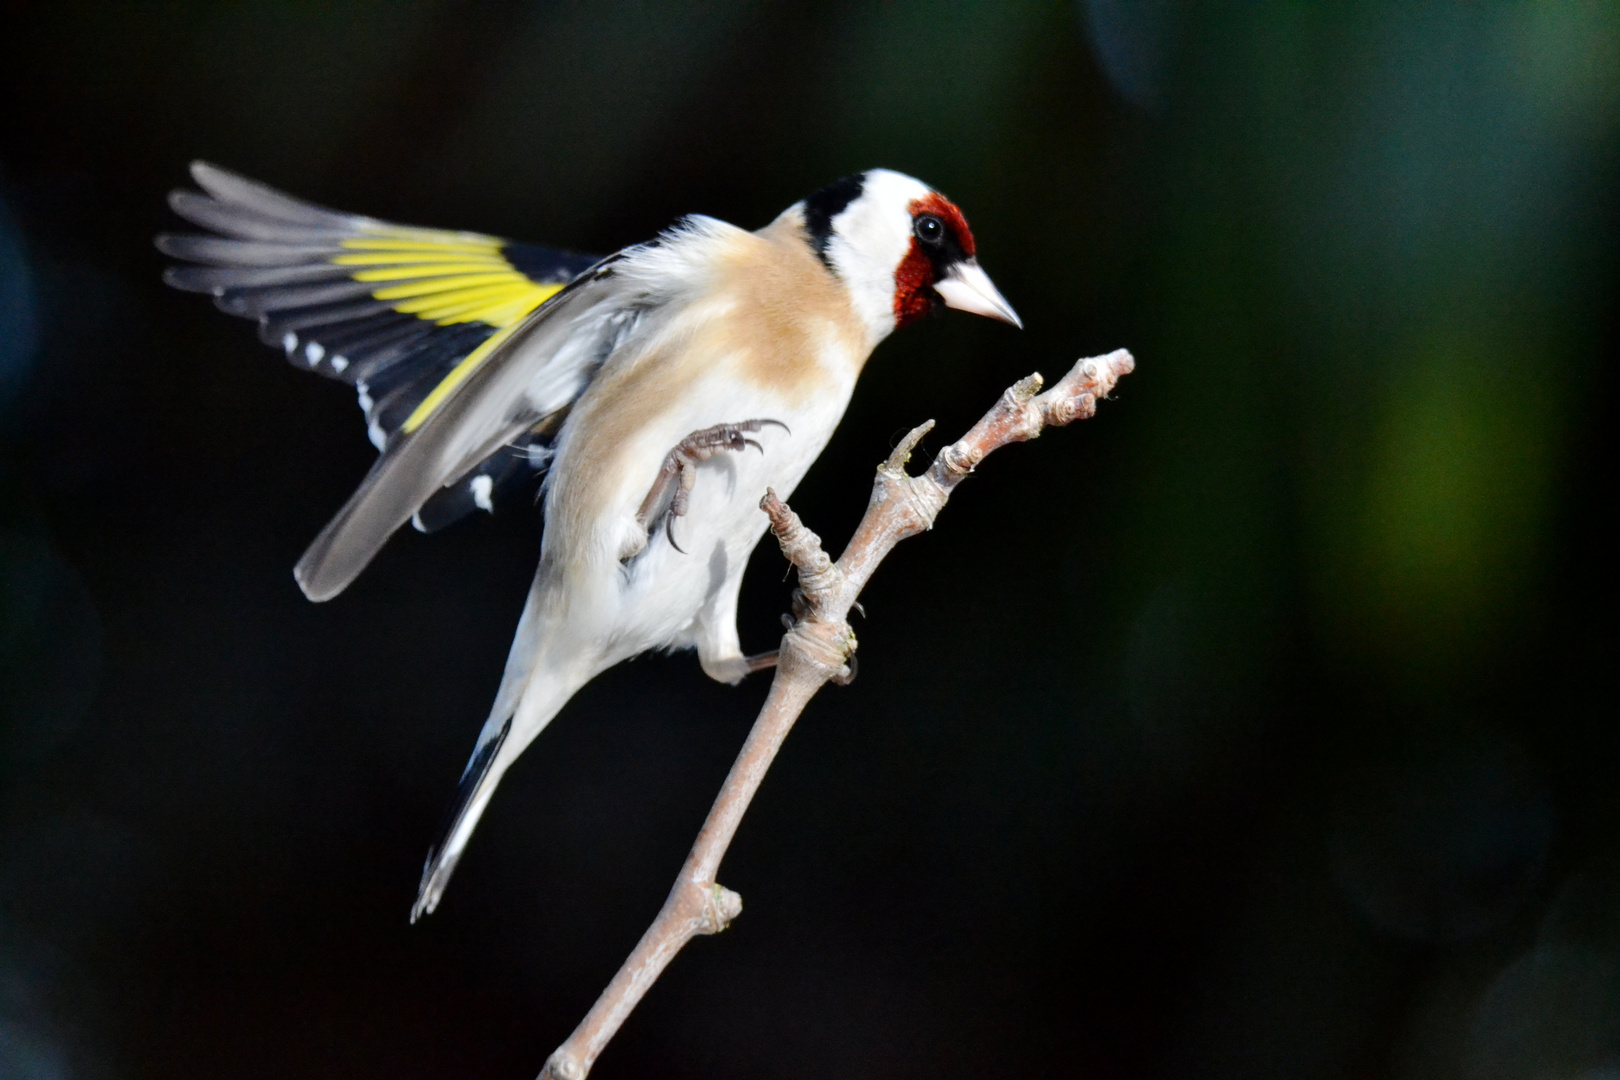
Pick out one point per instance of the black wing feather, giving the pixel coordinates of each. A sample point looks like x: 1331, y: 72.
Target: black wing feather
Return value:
x: 389, y: 309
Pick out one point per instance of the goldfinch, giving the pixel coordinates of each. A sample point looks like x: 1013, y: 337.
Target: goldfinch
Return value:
x: 659, y: 391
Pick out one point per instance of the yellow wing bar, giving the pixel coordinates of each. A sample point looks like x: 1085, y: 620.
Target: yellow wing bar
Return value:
x: 458, y: 374
x: 445, y: 278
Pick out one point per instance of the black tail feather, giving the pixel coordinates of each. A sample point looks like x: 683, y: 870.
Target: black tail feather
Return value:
x: 441, y: 860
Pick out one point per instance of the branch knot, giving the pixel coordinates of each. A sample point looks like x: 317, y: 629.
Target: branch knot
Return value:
x: 824, y: 646
x: 960, y: 458
x: 562, y: 1066
x: 720, y: 906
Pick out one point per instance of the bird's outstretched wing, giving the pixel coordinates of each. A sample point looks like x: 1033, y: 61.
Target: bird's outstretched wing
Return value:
x: 390, y: 309
x: 465, y: 350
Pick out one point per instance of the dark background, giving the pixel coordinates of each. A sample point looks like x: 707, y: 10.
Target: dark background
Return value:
x: 1259, y: 727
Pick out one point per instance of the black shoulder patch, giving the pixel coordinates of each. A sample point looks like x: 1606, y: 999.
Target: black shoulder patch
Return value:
x: 826, y: 204
x: 546, y: 264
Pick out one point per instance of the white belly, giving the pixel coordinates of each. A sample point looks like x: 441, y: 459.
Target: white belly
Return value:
x: 666, y: 597
x: 670, y: 597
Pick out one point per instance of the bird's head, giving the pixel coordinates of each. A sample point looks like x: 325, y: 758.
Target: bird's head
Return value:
x: 901, y: 248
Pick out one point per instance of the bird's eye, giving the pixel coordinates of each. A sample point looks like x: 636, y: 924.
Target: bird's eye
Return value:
x: 929, y: 229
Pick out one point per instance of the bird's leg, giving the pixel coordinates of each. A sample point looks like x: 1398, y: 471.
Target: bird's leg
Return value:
x: 672, y: 491
x: 733, y: 669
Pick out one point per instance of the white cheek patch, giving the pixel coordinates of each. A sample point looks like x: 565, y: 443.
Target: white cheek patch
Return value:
x: 868, y: 242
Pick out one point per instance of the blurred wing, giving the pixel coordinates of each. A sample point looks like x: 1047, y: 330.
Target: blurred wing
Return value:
x: 515, y: 384
x: 390, y: 309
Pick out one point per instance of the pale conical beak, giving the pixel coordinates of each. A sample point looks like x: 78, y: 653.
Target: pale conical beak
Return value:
x: 967, y: 288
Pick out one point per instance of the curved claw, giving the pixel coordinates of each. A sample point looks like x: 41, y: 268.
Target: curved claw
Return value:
x: 678, y: 471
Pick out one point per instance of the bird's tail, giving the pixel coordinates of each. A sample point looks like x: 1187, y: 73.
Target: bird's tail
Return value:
x: 537, y: 684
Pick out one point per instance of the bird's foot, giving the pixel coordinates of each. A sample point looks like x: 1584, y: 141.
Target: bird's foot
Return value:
x: 672, y: 491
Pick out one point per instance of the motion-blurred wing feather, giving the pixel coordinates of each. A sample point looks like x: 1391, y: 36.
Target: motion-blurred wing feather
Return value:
x: 390, y: 309
x: 502, y: 392
x: 351, y: 297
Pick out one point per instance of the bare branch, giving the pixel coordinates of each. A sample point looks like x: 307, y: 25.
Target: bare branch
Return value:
x: 817, y: 649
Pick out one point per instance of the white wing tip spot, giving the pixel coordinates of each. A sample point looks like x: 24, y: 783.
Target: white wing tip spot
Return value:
x: 313, y: 352
x: 289, y: 342
x: 339, y: 362
x: 416, y: 522
x: 482, y: 486
x: 378, y: 437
